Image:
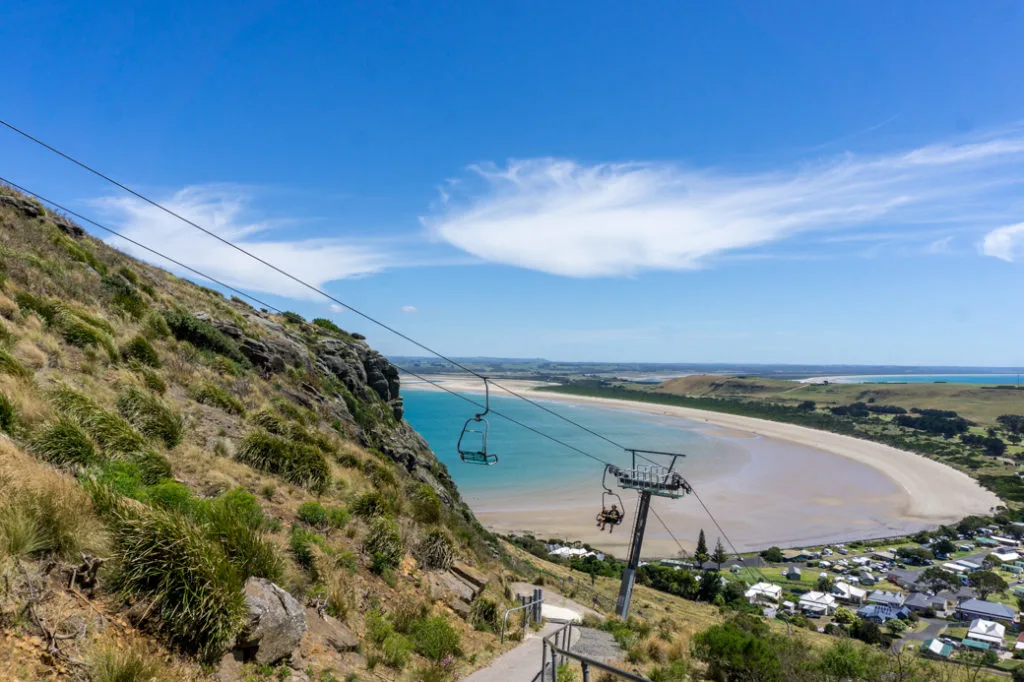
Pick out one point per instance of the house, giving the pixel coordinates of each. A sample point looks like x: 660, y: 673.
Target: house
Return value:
x: 920, y: 602
x: 987, y: 632
x: 880, y: 613
x: 1005, y: 556
x: 793, y: 573
x: 818, y: 604
x: 1019, y: 644
x: 966, y: 547
x: 574, y: 553
x: 982, y: 541
x: 936, y: 648
x: 969, y: 566
x: 764, y: 593
x: 794, y: 555
x: 971, y: 609
x: 884, y: 556
x: 892, y: 599
x: 955, y: 567
x: 1005, y: 542
x: 849, y: 594
x: 867, y: 578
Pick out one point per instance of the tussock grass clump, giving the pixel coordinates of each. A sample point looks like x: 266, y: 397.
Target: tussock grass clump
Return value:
x: 115, y: 435
x: 11, y: 365
x: 41, y: 306
x: 46, y: 513
x: 324, y: 518
x: 150, y: 415
x: 302, y: 544
x: 115, y: 664
x: 142, y: 350
x: 426, y: 505
x: 381, y: 474
x: 125, y: 296
x: 383, y: 544
x: 63, y: 442
x: 295, y: 462
x: 201, y: 334
x: 375, y: 503
x: 435, y: 639
x: 155, y: 326
x: 167, y: 558
x: 8, y: 415
x: 79, y: 252
x: 150, y: 377
x: 83, y: 333
x: 209, y: 393
x: 437, y: 549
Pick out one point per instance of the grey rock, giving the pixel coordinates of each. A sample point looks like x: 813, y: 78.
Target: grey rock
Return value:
x: 329, y: 631
x: 276, y: 622
x: 30, y: 208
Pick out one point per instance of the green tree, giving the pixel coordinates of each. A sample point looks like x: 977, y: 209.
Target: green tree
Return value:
x: 987, y: 582
x: 938, y: 579
x: 825, y: 584
x: 844, y: 616
x: 1018, y: 674
x: 719, y: 556
x: 773, y: 555
x: 896, y: 627
x: 944, y: 546
x: 701, y: 556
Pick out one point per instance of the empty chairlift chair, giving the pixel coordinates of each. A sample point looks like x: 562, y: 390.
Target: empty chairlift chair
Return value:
x: 472, y: 443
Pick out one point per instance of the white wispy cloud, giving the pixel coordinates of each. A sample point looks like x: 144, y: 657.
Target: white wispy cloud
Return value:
x: 1005, y: 243
x: 616, y: 219
x: 409, y: 309
x: 225, y: 211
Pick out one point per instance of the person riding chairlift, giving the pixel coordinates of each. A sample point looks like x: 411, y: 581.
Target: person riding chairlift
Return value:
x: 609, y: 517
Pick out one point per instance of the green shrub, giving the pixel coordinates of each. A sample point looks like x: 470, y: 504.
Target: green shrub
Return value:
x: 394, y: 651
x: 435, y: 639
x: 381, y: 474
x: 426, y: 505
x: 166, y: 558
x: 313, y: 514
x: 384, y: 545
x: 149, y: 414
x: 300, y: 543
x: 331, y: 328
x: 295, y: 462
x: 374, y: 503
x: 142, y: 350
x: 11, y: 365
x: 292, y: 318
x: 79, y: 252
x: 171, y: 496
x: 674, y: 671
x: 84, y: 333
x: 201, y: 334
x: 63, y: 442
x: 237, y: 522
x: 437, y: 550
x: 337, y: 517
x: 125, y: 296
x: 155, y: 326
x: 8, y: 415
x: 485, y: 615
x: 211, y: 394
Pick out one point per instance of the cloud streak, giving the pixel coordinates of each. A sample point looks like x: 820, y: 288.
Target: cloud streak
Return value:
x: 225, y: 211
x: 1005, y: 243
x: 567, y: 218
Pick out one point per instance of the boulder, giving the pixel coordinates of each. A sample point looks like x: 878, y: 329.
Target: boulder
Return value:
x: 328, y: 631
x: 32, y: 209
x: 275, y: 625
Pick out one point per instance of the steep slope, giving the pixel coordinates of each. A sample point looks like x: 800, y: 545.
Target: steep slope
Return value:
x: 170, y: 457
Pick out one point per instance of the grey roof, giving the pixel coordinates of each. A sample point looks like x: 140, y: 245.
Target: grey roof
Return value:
x: 923, y: 601
x: 880, y: 612
x: 987, y: 608
x: 887, y: 598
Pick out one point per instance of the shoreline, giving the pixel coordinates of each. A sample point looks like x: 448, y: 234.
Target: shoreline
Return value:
x: 931, y: 493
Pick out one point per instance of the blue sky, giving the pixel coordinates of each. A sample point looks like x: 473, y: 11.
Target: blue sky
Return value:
x: 797, y: 182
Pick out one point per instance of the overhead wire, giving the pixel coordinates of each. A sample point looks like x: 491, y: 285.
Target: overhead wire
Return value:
x: 334, y: 299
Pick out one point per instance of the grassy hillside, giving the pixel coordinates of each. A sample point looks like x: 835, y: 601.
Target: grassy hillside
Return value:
x: 978, y: 404
x: 160, y: 445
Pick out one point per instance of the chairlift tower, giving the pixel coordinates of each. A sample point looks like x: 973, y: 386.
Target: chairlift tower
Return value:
x: 647, y: 480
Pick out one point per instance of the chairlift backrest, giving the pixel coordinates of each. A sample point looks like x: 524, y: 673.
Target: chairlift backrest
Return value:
x: 474, y: 449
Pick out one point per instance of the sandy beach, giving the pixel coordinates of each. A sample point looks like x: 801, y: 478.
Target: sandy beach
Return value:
x: 799, y: 491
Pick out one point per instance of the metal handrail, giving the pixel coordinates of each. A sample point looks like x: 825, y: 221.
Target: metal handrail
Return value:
x: 526, y: 621
x: 565, y: 634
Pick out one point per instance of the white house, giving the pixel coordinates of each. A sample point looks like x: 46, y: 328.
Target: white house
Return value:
x: 818, y: 603
x: 573, y: 552
x: 849, y: 594
x: 764, y: 593
x: 1006, y: 556
x: 987, y: 631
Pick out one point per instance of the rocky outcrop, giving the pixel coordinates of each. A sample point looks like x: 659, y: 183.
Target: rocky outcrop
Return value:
x: 34, y: 209
x: 275, y: 624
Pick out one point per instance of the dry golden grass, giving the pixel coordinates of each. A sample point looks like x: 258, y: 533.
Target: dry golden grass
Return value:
x: 30, y: 354
x: 8, y: 308
x: 33, y: 409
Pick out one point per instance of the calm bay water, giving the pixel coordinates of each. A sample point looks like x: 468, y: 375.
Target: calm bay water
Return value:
x: 529, y: 461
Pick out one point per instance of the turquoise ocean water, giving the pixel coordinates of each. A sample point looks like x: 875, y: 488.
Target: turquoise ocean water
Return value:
x: 527, y: 460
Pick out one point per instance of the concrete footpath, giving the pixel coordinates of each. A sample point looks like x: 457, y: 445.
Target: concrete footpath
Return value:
x: 521, y: 664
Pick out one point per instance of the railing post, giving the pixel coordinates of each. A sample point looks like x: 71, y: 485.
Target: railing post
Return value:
x: 586, y: 672
x: 554, y: 665
x: 538, y: 595
x: 543, y: 658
